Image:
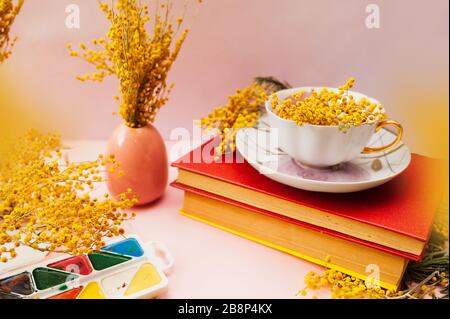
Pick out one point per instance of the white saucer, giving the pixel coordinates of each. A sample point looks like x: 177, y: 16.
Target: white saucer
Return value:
x: 258, y: 146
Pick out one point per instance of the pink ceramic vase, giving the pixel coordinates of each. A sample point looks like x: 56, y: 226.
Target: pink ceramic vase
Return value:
x: 142, y: 155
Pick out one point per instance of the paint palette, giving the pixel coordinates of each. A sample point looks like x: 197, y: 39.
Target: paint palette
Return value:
x: 124, y: 269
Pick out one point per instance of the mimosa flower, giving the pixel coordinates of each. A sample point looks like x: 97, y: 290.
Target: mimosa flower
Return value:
x: 8, y: 12
x: 46, y: 201
x: 140, y: 61
x: 328, y: 108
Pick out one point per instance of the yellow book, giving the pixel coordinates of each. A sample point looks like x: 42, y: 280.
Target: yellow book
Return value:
x: 310, y: 244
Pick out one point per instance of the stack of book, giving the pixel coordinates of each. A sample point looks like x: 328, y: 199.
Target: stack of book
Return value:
x: 381, y: 229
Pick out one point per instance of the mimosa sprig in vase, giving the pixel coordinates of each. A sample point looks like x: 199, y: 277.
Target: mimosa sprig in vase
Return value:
x: 141, y: 62
x: 9, y: 10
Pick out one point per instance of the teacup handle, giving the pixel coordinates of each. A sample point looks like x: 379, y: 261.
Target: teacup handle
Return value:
x: 370, y: 150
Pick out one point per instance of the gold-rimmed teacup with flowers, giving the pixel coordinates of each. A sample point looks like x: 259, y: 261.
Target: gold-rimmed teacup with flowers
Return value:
x: 323, y: 127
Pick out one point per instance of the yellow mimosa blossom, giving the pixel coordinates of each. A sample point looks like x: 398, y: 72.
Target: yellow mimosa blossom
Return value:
x: 140, y: 61
x: 46, y: 201
x: 9, y: 9
x: 328, y: 108
x: 242, y: 110
x: 342, y: 286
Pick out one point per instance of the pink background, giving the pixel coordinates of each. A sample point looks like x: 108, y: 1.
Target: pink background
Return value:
x: 305, y: 42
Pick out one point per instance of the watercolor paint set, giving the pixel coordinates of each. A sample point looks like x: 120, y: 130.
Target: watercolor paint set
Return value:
x: 124, y: 269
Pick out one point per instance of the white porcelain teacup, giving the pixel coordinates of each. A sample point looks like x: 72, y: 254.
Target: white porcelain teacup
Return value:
x: 325, y: 146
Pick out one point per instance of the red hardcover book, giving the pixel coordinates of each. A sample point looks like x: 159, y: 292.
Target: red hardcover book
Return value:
x: 398, y: 215
x: 292, y: 221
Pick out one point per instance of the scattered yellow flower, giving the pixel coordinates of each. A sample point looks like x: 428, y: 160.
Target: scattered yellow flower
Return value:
x: 48, y: 206
x: 342, y: 286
